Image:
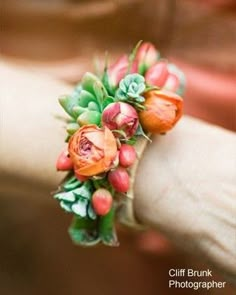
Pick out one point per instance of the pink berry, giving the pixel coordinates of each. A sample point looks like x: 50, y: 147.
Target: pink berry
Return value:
x: 119, y: 179
x: 101, y: 201
x: 127, y: 155
x: 80, y: 177
x: 64, y: 162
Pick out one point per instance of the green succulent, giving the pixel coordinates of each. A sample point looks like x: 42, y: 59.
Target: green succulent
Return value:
x: 75, y: 198
x: 131, y: 88
x: 87, y: 229
x: 86, y: 102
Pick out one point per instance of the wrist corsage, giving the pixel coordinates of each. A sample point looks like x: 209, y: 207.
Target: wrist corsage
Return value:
x: 112, y: 116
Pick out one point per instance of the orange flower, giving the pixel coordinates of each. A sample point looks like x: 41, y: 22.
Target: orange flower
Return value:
x: 92, y: 150
x: 163, y: 110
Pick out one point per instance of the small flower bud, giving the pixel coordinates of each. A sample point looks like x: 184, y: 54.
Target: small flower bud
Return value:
x: 120, y: 116
x: 64, y: 162
x: 119, y: 179
x: 119, y: 69
x: 101, y: 201
x: 163, y: 110
x: 157, y: 74
x: 127, y: 155
x: 147, y: 56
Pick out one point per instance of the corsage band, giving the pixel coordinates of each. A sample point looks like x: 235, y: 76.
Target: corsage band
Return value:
x: 111, y: 118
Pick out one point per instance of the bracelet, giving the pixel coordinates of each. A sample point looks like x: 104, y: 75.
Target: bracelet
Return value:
x: 111, y: 118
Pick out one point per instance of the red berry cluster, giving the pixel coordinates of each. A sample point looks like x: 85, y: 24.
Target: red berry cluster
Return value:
x: 118, y: 178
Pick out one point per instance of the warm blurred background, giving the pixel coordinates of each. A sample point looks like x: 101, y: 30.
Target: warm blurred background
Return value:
x: 59, y: 37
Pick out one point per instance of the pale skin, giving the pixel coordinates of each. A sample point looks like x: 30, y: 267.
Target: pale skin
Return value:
x: 186, y: 181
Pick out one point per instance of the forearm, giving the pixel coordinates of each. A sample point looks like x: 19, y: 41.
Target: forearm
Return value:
x: 185, y: 185
x: 31, y: 136
x: 186, y: 188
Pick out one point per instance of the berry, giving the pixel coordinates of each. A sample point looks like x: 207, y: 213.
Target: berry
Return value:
x: 101, y: 201
x: 127, y: 155
x: 64, y: 162
x: 119, y: 179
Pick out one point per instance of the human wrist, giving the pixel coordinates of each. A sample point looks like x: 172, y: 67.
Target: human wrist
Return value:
x: 189, y: 195
x: 111, y: 112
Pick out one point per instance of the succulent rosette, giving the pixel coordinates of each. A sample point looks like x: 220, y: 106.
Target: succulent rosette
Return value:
x: 108, y: 114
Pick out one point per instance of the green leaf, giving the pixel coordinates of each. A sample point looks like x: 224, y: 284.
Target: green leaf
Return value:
x: 78, y: 110
x: 140, y: 99
x: 105, y: 79
x: 89, y: 117
x: 85, y: 98
x: 107, y: 101
x: 120, y: 132
x: 120, y: 95
x: 91, y: 214
x: 70, y: 178
x: 80, y: 207
x: 107, y: 231
x: 100, y: 92
x: 84, y: 190
x: 83, y: 232
x: 142, y: 68
x: 66, y: 206
x: 88, y: 81
x: 68, y: 103
x: 149, y: 88
x: 93, y: 106
x: 133, y: 55
x: 142, y: 133
x: 72, y: 184
x: 131, y: 141
x: 71, y: 128
x: 68, y: 138
x: 124, y: 83
x: 65, y: 196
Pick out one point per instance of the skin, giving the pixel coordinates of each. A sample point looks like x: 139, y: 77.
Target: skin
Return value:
x: 188, y: 191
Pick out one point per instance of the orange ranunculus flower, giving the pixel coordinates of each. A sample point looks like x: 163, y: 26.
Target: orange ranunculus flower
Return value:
x: 163, y: 110
x: 92, y: 150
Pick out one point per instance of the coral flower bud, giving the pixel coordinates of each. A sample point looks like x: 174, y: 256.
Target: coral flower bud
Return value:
x: 127, y: 155
x: 118, y: 70
x: 119, y: 179
x: 92, y: 150
x: 64, y: 162
x: 147, y: 56
x: 101, y: 201
x: 120, y: 116
x: 163, y: 110
x: 157, y: 74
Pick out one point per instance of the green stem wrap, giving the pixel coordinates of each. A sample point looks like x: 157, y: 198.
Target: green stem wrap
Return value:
x: 107, y: 231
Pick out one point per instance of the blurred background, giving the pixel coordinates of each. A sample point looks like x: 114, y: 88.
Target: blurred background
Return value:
x: 59, y: 37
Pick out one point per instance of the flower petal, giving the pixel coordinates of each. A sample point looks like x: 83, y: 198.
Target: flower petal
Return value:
x: 92, y: 169
x: 110, y: 148
x: 96, y: 137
